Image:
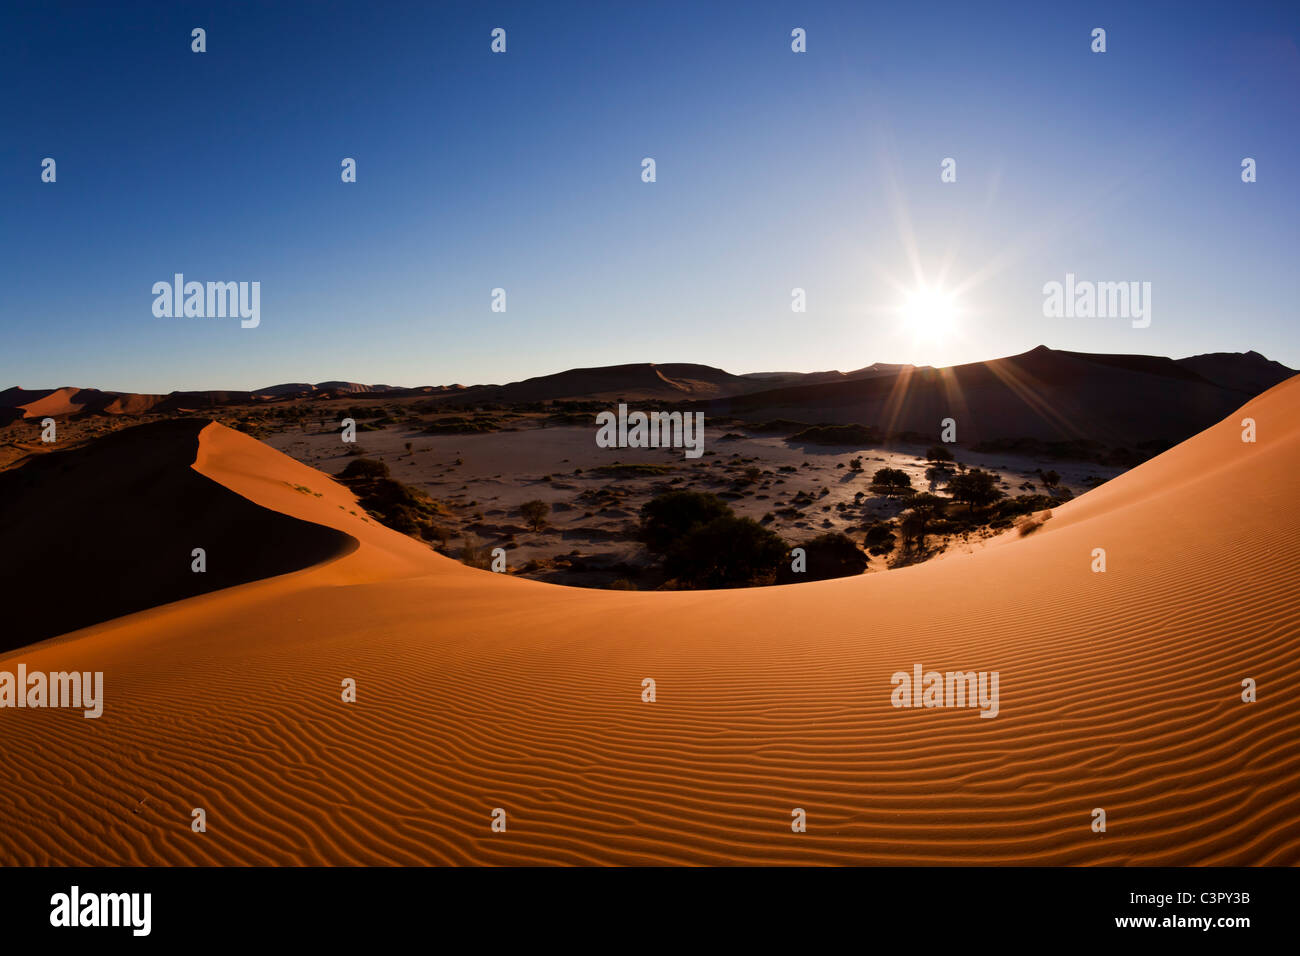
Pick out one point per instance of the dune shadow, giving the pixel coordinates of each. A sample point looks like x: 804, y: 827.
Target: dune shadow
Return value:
x: 109, y: 528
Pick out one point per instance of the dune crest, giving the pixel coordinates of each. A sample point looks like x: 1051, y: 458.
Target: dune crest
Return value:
x: 111, y: 527
x: 1119, y: 690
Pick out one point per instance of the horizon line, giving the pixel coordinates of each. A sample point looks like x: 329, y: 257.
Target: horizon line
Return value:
x: 580, y: 368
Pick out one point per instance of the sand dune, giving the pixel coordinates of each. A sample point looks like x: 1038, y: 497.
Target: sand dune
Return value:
x: 108, y: 528
x: 476, y: 691
x: 1046, y: 394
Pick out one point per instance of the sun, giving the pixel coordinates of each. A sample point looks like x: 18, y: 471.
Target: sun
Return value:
x: 929, y: 314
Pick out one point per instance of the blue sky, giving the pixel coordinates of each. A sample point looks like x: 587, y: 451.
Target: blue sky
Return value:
x: 775, y: 170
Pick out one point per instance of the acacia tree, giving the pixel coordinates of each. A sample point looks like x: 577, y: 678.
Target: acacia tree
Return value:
x: 891, y: 481
x: 977, y: 488
x: 705, y: 544
x: 924, y: 509
x: 936, y: 474
x: 535, y: 512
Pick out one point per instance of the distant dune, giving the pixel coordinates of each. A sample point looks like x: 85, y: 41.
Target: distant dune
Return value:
x: 1119, y: 690
x: 1246, y: 372
x: 16, y: 403
x: 1042, y: 394
x: 673, y: 382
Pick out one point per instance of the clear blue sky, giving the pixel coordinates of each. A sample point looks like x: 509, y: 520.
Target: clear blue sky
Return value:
x: 523, y: 171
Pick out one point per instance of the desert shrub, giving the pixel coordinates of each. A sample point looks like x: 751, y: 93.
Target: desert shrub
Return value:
x: 474, y: 555
x: 668, y: 517
x: 912, y: 527
x: 435, y: 533
x: 977, y: 488
x: 1023, y: 505
x: 463, y: 426
x: 365, y: 468
x: 728, y: 551
x: 880, y: 538
x: 878, y: 531
x: 385, y: 493
x: 706, y: 545
x: 938, y: 453
x: 923, y: 511
x: 1031, y: 524
x: 891, y: 481
x: 828, y: 556
x: 403, y: 520
x: 400, y: 507
x: 535, y: 512
x: 778, y: 425
x: 631, y: 470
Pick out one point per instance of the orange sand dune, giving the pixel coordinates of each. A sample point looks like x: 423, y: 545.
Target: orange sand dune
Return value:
x: 477, y: 691
x: 107, y: 528
x: 62, y: 402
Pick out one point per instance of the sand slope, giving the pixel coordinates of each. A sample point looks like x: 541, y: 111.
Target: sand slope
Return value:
x: 1118, y: 690
x: 1046, y: 394
x: 110, y: 527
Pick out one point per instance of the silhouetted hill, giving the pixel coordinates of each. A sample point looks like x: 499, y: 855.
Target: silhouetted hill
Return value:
x: 1043, y: 394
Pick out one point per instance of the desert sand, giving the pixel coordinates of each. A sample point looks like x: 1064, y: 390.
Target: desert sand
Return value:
x: 1119, y: 690
x: 562, y: 466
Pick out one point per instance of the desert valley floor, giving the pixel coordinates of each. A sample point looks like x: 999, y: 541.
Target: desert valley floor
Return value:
x: 1119, y: 690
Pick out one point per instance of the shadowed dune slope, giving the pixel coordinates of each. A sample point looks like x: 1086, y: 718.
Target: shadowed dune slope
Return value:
x: 103, y: 530
x: 1119, y: 690
x: 1044, y: 394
